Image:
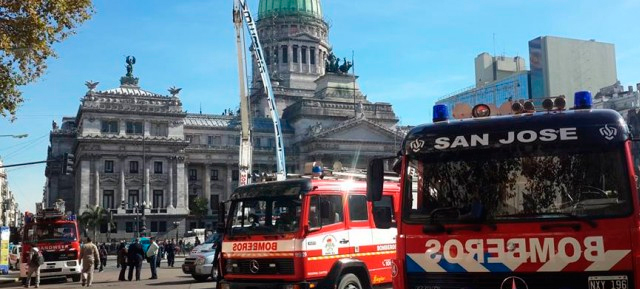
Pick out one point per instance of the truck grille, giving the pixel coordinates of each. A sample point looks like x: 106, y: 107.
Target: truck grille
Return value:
x: 559, y: 280
x: 265, y: 266
x: 58, y: 256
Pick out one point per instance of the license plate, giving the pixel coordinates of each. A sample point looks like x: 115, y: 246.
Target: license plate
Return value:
x: 51, y: 266
x: 608, y: 282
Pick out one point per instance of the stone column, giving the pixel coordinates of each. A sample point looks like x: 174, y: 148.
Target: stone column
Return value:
x: 84, y: 184
x: 170, y: 165
x: 180, y: 183
x: 207, y: 186
x: 146, y: 183
x: 123, y: 193
x: 185, y: 197
x: 228, y: 188
x: 96, y: 180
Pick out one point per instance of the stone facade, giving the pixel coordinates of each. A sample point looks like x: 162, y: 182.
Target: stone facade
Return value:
x: 324, y: 115
x: 10, y: 215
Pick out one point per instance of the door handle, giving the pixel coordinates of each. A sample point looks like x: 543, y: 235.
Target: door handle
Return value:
x: 344, y: 241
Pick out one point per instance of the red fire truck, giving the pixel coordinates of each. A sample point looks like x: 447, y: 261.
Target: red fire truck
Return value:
x: 56, y: 236
x: 308, y: 233
x: 529, y: 200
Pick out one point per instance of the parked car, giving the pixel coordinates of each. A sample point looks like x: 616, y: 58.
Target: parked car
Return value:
x: 200, y: 263
x: 14, y: 257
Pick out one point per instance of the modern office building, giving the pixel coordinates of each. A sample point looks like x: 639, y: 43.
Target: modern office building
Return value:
x: 562, y: 66
x: 493, y: 68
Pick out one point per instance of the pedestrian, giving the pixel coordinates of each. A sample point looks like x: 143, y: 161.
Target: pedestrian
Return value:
x: 197, y: 242
x: 89, y: 256
x: 122, y: 260
x: 134, y: 257
x: 160, y: 254
x: 103, y: 256
x: 152, y: 255
x: 181, y: 246
x: 35, y: 261
x: 170, y: 248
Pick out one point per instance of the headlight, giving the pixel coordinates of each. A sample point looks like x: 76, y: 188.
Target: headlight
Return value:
x: 199, y: 261
x: 71, y: 263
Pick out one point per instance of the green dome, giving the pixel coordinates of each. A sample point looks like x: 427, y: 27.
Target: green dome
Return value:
x: 290, y: 7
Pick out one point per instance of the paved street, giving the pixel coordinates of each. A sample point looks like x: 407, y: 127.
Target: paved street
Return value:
x: 167, y: 278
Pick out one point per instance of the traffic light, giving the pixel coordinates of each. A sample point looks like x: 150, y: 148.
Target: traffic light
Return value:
x: 67, y: 163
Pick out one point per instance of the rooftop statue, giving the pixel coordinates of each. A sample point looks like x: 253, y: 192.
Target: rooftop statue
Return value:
x: 131, y: 60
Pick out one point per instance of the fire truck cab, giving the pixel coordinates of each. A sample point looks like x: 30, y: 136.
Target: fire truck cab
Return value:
x: 308, y: 233
x: 55, y: 234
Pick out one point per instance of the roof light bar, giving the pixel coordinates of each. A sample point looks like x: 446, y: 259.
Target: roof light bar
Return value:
x: 582, y: 100
x: 481, y: 110
x: 440, y: 112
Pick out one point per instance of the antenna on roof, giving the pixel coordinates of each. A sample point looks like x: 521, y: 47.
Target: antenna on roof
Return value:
x: 201, y: 108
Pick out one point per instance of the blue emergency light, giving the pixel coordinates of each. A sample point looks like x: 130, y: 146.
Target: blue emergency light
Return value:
x: 440, y: 112
x: 582, y: 100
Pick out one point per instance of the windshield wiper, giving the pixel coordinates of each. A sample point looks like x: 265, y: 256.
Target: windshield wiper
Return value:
x: 570, y: 216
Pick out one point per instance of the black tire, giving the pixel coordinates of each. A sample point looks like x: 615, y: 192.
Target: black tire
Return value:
x: 75, y: 278
x: 349, y: 281
x: 200, y: 278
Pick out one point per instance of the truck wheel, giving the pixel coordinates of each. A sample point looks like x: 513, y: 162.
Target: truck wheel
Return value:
x: 75, y: 278
x: 349, y: 281
x: 200, y: 278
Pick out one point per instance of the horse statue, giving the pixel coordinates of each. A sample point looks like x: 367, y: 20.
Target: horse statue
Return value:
x: 346, y: 66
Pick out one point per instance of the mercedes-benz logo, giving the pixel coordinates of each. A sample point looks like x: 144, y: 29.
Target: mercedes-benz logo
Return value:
x: 254, y: 266
x: 513, y: 282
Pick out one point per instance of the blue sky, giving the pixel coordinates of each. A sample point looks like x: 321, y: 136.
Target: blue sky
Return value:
x: 407, y: 53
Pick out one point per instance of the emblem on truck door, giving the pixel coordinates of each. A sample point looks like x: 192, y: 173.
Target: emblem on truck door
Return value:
x: 513, y: 282
x: 254, y: 266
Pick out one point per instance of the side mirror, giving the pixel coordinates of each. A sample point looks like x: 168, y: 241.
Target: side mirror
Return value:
x: 221, y: 220
x: 375, y: 179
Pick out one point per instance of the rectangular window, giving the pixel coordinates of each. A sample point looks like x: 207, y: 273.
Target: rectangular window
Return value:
x: 237, y: 140
x: 210, y: 140
x: 272, y: 142
x: 128, y: 227
x: 157, y: 167
x: 235, y: 175
x: 385, y: 206
x: 158, y: 198
x: 312, y: 55
x: 193, y: 174
x: 358, y: 208
x: 192, y: 225
x: 275, y: 54
x: 109, y: 126
x: 159, y: 129
x: 134, y: 127
x: 103, y: 228
x: 285, y: 54
x: 303, y: 51
x: 133, y: 198
x: 266, y: 55
x: 162, y: 226
x: 214, y: 175
x: 107, y: 199
x: 325, y: 210
x: 108, y: 167
x: 133, y: 167
x: 295, y: 54
x: 217, y: 140
x: 154, y: 226
x: 214, y: 202
x: 257, y: 142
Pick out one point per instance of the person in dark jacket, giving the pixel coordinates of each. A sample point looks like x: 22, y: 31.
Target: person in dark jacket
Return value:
x: 122, y: 260
x: 103, y: 256
x: 170, y: 248
x: 160, y: 253
x: 135, y: 256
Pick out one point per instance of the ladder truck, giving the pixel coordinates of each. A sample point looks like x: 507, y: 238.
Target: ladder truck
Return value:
x: 241, y: 12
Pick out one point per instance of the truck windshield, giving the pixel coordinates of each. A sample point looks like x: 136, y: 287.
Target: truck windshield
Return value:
x: 52, y: 232
x: 265, y: 215
x: 502, y: 186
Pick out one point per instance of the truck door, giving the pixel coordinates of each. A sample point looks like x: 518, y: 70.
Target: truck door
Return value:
x: 326, y: 241
x: 368, y: 243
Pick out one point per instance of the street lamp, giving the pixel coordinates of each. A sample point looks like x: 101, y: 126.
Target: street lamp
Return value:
x: 144, y: 225
x: 137, y: 232
x: 15, y: 135
x: 140, y: 228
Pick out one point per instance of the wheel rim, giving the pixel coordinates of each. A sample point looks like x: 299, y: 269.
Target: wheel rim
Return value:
x: 352, y: 286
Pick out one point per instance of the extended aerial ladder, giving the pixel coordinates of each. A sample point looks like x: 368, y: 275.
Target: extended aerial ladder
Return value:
x: 241, y: 12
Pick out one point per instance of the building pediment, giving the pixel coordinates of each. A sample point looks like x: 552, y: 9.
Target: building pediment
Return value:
x: 355, y: 129
x: 304, y: 36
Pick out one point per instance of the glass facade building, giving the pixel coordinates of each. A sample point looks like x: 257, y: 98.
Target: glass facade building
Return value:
x: 514, y: 87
